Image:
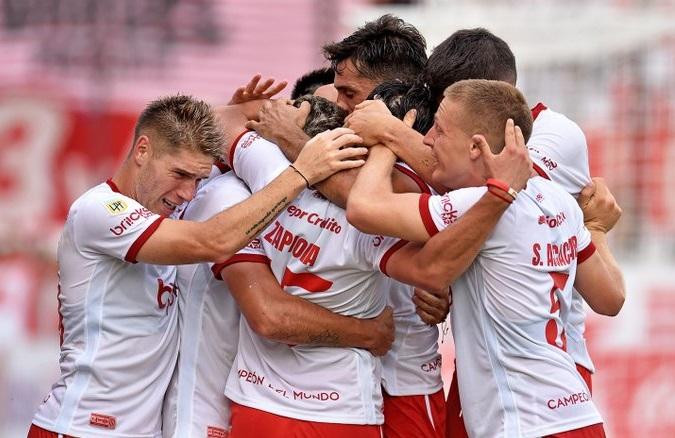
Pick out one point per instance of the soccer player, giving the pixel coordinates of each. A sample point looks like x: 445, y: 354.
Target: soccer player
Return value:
x: 557, y: 147
x: 314, y: 253
x: 515, y: 377
x: 195, y: 403
x: 117, y: 286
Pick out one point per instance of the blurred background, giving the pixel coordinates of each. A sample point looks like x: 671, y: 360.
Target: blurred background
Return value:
x: 74, y: 75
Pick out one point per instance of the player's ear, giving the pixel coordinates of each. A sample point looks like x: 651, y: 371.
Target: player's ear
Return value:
x: 142, y: 150
x: 476, y: 145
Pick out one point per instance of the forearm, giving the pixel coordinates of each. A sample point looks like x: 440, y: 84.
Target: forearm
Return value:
x: 232, y: 229
x: 599, y: 239
x: 298, y: 321
x: 407, y: 144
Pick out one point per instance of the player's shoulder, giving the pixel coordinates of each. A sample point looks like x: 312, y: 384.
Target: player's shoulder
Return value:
x: 549, y: 121
x: 103, y: 199
x: 546, y: 195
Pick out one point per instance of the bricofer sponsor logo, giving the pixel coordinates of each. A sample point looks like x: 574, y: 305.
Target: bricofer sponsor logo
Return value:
x: 329, y: 223
x: 319, y: 396
x: 107, y: 421
x: 284, y: 240
x: 570, y: 400
x: 430, y: 367
x: 556, y: 254
x: 449, y: 213
x: 249, y: 140
x: 552, y: 221
x: 129, y: 220
x: 549, y: 163
x: 166, y: 294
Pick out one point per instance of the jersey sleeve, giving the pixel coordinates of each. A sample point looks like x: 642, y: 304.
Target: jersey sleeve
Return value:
x: 559, y: 151
x: 375, y: 251
x: 440, y: 211
x: 585, y: 246
x: 256, y: 161
x: 251, y: 253
x: 114, y: 225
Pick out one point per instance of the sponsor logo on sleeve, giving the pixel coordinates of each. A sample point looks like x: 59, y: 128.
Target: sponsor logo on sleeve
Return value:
x: 449, y: 214
x: 116, y: 206
x: 249, y: 140
x: 130, y: 220
x: 216, y: 432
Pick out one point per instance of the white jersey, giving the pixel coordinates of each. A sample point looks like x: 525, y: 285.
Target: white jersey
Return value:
x: 195, y: 404
x: 317, y: 255
x: 508, y: 312
x: 119, y: 340
x: 559, y: 152
x: 413, y: 364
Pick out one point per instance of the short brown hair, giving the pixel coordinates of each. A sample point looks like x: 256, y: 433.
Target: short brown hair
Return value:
x: 182, y: 122
x: 487, y: 105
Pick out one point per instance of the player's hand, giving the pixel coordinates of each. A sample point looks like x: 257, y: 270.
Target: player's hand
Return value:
x: 382, y: 329
x: 601, y: 211
x: 276, y: 118
x: 433, y: 307
x: 255, y: 90
x: 371, y: 126
x: 376, y: 106
x: 330, y: 152
x: 512, y: 165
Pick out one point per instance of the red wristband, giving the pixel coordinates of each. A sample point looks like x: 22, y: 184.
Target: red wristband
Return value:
x: 501, y: 185
x: 503, y: 198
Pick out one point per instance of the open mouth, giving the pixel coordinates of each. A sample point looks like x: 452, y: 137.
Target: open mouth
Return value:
x: 169, y: 205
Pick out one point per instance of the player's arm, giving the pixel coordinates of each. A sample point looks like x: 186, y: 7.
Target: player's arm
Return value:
x: 277, y: 315
x: 599, y: 282
x: 599, y: 278
x: 375, y: 126
x: 178, y: 242
x: 282, y: 124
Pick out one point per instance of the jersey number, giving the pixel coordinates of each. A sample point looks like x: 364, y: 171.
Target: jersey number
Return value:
x: 305, y: 280
x: 556, y: 335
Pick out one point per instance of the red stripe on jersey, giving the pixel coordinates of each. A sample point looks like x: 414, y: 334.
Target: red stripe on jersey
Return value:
x: 537, y: 109
x: 424, y: 188
x: 113, y: 186
x: 233, y: 147
x: 390, y: 252
x: 585, y: 253
x: 238, y: 258
x: 427, y: 220
x: 540, y: 171
x: 306, y: 280
x: 138, y: 243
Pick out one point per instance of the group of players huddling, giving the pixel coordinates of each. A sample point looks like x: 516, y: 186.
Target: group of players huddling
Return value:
x: 272, y: 268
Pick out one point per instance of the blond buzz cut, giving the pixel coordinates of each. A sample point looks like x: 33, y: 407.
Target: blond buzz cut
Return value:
x: 487, y: 105
x: 182, y: 122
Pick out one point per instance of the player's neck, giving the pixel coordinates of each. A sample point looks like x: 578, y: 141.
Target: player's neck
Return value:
x: 124, y: 179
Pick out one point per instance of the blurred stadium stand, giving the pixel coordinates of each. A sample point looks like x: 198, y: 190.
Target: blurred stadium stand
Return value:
x: 74, y: 74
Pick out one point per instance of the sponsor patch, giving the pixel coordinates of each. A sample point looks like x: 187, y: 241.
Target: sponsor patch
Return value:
x: 107, y: 421
x: 116, y: 206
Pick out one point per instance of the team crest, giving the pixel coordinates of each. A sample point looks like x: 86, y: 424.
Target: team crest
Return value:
x: 116, y: 206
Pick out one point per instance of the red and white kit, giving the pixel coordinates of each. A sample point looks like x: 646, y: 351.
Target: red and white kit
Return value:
x: 414, y: 403
x: 315, y: 254
x: 195, y: 404
x: 559, y: 152
x: 118, y: 322
x: 515, y: 377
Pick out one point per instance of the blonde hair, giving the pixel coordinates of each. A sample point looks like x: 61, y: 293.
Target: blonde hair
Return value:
x: 182, y: 122
x: 487, y: 105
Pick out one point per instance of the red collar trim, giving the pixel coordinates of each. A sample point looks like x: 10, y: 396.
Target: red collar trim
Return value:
x: 537, y: 109
x: 113, y: 186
